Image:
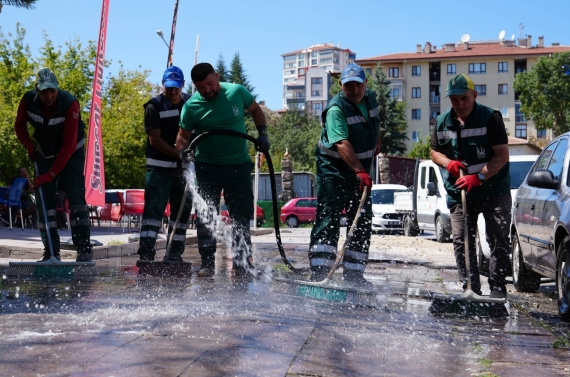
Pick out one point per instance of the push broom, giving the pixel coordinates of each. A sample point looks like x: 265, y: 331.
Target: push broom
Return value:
x: 52, y: 267
x: 167, y: 268
x: 468, y: 303
x: 325, y: 290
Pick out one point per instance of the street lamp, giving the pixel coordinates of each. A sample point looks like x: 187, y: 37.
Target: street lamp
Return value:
x: 159, y: 32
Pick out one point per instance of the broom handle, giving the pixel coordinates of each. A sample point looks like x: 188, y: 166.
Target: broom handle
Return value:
x: 340, y: 254
x: 175, y: 226
x: 44, y: 213
x: 465, y: 234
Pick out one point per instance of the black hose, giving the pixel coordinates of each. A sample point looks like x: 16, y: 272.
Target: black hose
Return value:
x: 191, y: 148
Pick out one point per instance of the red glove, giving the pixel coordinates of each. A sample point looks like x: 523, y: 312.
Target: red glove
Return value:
x: 31, y: 150
x: 44, y: 178
x: 364, y: 179
x: 454, y: 166
x: 468, y: 182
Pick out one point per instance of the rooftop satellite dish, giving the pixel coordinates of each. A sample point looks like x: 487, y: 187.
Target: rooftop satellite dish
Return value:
x: 502, y: 34
x: 512, y: 37
x: 465, y: 38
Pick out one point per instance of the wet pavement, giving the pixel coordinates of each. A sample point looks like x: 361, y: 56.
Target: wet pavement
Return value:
x: 121, y: 324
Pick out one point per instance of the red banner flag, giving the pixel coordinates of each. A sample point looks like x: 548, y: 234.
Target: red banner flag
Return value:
x: 94, y: 167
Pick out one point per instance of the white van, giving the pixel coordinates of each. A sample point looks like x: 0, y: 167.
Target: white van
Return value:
x: 384, y: 217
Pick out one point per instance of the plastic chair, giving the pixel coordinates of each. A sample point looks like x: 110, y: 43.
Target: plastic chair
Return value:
x: 134, y: 205
x: 114, y: 208
x: 166, y: 216
x: 14, y: 199
x: 4, y: 192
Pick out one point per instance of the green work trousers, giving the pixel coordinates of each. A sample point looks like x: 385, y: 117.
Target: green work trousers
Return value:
x: 235, y: 181
x: 160, y: 188
x: 334, y: 195
x: 72, y: 175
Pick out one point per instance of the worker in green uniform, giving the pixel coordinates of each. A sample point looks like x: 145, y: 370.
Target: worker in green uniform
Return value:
x: 349, y: 141
x: 472, y: 137
x: 222, y: 161
x: 164, y: 180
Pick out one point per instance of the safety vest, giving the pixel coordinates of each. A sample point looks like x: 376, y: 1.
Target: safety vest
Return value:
x: 169, y: 116
x: 363, y: 137
x: 471, y: 145
x: 48, y: 133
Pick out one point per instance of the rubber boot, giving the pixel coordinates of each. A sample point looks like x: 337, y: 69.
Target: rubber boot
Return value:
x: 319, y: 273
x: 47, y: 256
x: 356, y: 278
x: 207, y: 268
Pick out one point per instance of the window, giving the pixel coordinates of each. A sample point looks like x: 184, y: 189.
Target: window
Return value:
x: 290, y: 57
x: 416, y: 70
x: 503, y: 67
x: 542, y: 162
x: 481, y: 90
x: 326, y: 60
x: 317, y: 107
x: 314, y: 54
x: 316, y: 80
x: 313, y: 61
x: 301, y: 56
x: 290, y: 65
x: 476, y: 68
x: 394, y: 72
x: 317, y: 93
x: 416, y: 92
x: 395, y: 93
x: 326, y: 52
x: 556, y: 164
x: 416, y: 135
x: 451, y: 69
x: 301, y: 63
x: 299, y: 95
x: 416, y: 114
x: 289, y: 72
x: 301, y: 71
x: 290, y: 79
x: 520, y: 131
x: 541, y: 134
x: 505, y: 111
x: 368, y: 71
x: 503, y: 89
x: 519, y: 116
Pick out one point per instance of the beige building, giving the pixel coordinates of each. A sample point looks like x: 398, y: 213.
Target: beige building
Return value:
x: 307, y: 75
x: 420, y: 78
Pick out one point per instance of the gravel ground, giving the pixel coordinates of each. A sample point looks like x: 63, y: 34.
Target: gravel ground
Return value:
x: 422, y: 242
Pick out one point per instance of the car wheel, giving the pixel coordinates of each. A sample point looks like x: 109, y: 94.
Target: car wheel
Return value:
x: 292, y: 222
x: 409, y: 228
x: 524, y: 279
x: 483, y: 261
x: 440, y: 234
x: 563, y: 280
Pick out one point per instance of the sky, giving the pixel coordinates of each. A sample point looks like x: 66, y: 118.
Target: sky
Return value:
x: 260, y: 31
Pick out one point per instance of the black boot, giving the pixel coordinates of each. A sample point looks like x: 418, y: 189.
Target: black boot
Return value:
x: 319, y: 273
x: 356, y: 278
x: 206, y: 270
x: 47, y: 256
x: 146, y: 255
x: 85, y: 254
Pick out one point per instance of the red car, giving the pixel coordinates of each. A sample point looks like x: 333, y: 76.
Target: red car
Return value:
x: 299, y: 211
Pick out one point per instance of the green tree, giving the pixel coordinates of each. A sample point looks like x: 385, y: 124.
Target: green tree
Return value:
x: 544, y: 93
x: 221, y: 68
x: 124, y: 136
x: 237, y: 74
x: 27, y: 4
x: 421, y: 149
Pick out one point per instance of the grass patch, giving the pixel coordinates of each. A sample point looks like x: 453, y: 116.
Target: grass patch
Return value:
x: 115, y: 242
x: 485, y: 363
x: 281, y: 268
x: 561, y: 342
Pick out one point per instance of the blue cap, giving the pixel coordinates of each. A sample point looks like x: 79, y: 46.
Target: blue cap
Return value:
x: 352, y: 72
x: 173, y: 77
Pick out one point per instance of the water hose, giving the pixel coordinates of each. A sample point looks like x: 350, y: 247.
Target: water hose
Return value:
x: 190, y: 150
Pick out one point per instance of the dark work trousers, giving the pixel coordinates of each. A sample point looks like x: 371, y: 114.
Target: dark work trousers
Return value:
x: 497, y: 213
x: 332, y: 196
x: 235, y: 181
x: 160, y: 188
x: 72, y: 175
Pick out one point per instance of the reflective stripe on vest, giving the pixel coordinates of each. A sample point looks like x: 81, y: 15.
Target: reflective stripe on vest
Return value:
x: 355, y: 119
x: 79, y: 145
x: 40, y: 119
x: 360, y: 156
x: 164, y: 164
x: 471, y: 132
x: 169, y: 113
x: 372, y: 113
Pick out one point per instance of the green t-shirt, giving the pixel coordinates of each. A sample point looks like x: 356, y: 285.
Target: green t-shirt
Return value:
x: 226, y: 111
x: 337, y: 129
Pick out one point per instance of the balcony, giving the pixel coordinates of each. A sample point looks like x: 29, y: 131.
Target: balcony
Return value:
x: 295, y: 100
x: 295, y: 86
x: 434, y: 99
x: 519, y: 118
x: 434, y: 75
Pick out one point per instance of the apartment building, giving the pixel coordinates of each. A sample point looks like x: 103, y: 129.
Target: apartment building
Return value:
x: 307, y: 75
x: 420, y: 79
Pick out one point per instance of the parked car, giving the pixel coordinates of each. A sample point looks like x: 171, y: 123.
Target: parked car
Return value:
x: 385, y: 219
x: 226, y: 217
x: 540, y: 225
x: 299, y: 211
x: 519, y: 166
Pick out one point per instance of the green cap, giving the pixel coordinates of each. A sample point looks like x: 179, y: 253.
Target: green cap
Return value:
x: 45, y: 79
x: 458, y: 85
